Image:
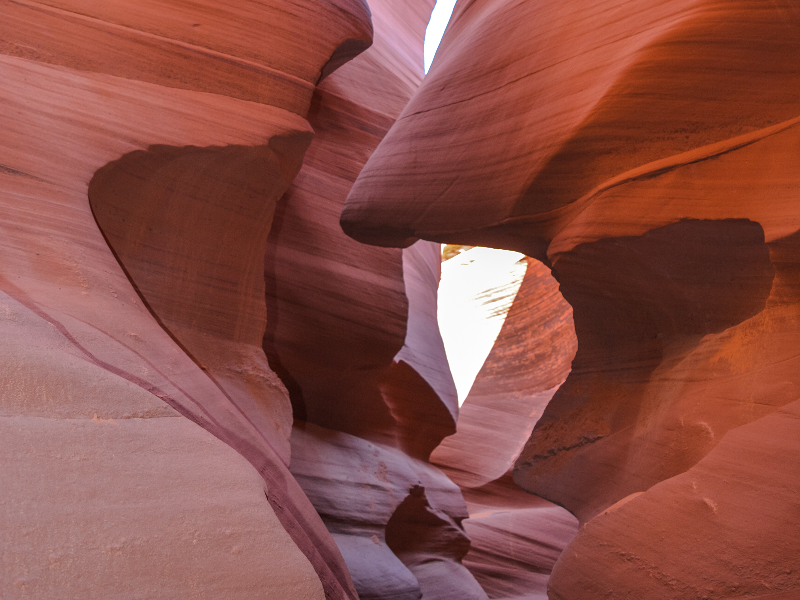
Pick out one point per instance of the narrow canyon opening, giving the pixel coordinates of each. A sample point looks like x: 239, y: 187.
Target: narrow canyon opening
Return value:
x: 510, y: 341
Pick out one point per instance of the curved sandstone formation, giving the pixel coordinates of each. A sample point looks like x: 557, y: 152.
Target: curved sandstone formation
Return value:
x: 515, y: 537
x: 733, y: 490
x: 583, y: 105
x: 528, y: 362
x: 397, y: 520
x: 338, y: 309
x: 207, y: 389
x: 250, y: 50
x: 190, y: 123
x: 648, y: 153
x: 59, y: 274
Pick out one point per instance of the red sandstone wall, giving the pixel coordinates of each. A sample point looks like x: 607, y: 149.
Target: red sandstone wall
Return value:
x: 152, y: 197
x: 648, y: 153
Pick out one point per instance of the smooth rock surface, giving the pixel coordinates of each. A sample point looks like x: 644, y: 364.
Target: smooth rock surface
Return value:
x: 177, y: 298
x: 110, y: 492
x: 527, y: 363
x: 339, y: 309
x: 179, y: 108
x: 396, y: 519
x: 731, y: 490
x: 515, y: 537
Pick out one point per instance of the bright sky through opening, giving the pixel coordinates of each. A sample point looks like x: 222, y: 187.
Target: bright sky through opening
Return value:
x: 478, y: 287
x: 475, y: 294
x: 436, y: 26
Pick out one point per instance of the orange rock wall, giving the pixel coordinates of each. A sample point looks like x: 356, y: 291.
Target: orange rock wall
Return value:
x: 646, y: 152
x: 184, y: 321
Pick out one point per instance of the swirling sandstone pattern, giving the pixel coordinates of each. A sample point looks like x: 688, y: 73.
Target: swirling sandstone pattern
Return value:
x: 647, y: 152
x: 515, y: 537
x: 352, y: 331
x: 528, y: 362
x: 190, y: 124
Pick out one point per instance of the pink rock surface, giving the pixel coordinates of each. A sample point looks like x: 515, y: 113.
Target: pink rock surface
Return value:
x: 516, y: 539
x: 396, y: 519
x: 60, y: 278
x: 338, y: 309
x: 646, y: 153
x: 351, y: 330
x: 190, y: 122
x: 268, y: 52
x: 694, y: 349
x: 630, y: 89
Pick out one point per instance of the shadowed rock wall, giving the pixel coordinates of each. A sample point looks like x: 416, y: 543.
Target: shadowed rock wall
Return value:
x: 185, y: 126
x: 180, y: 311
x: 351, y: 330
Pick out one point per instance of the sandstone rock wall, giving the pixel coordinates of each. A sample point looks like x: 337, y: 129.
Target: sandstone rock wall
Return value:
x: 528, y: 362
x: 145, y: 440
x: 183, y: 320
x: 351, y: 330
x: 516, y: 537
x: 646, y: 152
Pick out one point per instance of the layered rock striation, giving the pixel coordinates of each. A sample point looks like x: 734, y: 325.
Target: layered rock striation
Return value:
x: 169, y: 265
x: 209, y: 390
x: 516, y: 537
x: 647, y: 153
x: 351, y: 330
x: 528, y: 362
x: 146, y: 438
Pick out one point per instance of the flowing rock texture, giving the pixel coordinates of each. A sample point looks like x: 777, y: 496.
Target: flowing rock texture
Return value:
x: 515, y: 537
x: 528, y: 362
x: 145, y: 440
x: 351, y: 330
x: 648, y: 153
x: 178, y: 292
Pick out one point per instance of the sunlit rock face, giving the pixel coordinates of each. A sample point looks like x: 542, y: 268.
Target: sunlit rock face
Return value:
x: 528, y: 360
x: 648, y: 153
x: 476, y: 291
x: 209, y: 390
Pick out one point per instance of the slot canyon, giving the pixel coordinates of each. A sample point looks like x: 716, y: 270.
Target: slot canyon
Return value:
x: 221, y: 369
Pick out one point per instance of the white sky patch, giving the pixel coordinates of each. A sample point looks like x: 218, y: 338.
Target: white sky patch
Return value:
x: 436, y: 26
x: 475, y: 294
